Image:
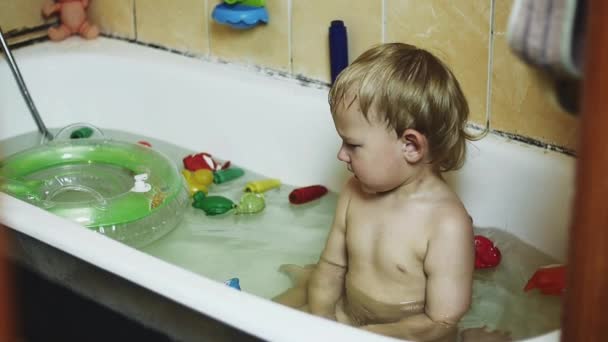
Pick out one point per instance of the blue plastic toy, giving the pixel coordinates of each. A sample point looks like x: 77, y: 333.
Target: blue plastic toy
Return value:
x: 234, y: 283
x: 241, y: 14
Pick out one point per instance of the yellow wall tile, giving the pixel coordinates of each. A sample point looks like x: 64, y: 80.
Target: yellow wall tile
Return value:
x: 455, y: 31
x: 523, y: 101
x: 114, y: 17
x: 18, y: 14
x: 176, y: 24
x: 265, y: 45
x: 310, y: 32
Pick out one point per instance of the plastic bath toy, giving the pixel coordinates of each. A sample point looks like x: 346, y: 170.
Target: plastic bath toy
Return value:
x: 198, y: 180
x: 203, y: 160
x: 84, y: 132
x: 241, y: 14
x: 307, y: 194
x: 223, y: 176
x: 486, y: 254
x: 234, y: 283
x: 73, y: 17
x: 550, y: 280
x: 126, y: 191
x: 263, y: 185
x: 212, y: 205
x: 251, y: 203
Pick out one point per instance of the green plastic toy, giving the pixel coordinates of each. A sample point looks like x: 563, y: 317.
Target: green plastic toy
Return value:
x: 252, y: 3
x: 251, y: 203
x: 81, y: 133
x: 223, y: 176
x: 212, y: 205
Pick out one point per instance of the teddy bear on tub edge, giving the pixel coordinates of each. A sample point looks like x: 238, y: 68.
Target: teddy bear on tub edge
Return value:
x: 73, y: 19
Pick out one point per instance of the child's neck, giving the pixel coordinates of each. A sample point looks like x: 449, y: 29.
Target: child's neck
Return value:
x: 421, y: 180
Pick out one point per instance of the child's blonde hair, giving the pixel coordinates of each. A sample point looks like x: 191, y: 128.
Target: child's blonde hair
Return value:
x: 409, y: 88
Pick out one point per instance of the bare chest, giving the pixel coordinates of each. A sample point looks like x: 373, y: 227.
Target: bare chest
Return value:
x: 388, y: 238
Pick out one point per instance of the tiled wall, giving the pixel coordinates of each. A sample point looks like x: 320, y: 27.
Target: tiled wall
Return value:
x: 518, y: 99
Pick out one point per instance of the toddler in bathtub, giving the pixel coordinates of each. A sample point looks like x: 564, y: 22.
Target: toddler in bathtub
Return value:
x: 399, y: 258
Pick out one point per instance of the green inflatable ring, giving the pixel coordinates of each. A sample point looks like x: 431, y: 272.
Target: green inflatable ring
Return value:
x: 126, y: 191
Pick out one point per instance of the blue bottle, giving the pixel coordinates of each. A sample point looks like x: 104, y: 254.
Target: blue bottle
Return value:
x: 338, y: 48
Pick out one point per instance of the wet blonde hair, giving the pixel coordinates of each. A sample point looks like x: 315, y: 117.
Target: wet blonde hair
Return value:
x: 409, y: 88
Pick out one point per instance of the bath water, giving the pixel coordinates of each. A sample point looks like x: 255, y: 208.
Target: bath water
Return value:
x: 252, y: 247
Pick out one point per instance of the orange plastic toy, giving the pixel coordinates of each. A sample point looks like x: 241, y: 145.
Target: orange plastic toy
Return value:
x: 550, y: 280
x: 73, y: 18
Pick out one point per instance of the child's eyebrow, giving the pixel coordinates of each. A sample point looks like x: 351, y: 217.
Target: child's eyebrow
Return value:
x: 347, y: 138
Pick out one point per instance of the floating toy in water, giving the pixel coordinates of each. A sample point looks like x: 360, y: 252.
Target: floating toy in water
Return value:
x: 223, y: 176
x: 145, y: 143
x: 212, y: 205
x: 126, y: 191
x: 251, y: 203
x: 263, y: 185
x: 486, y: 254
x: 550, y: 280
x: 81, y: 133
x: 307, y: 194
x: 203, y: 160
x: 198, y: 180
x: 234, y: 283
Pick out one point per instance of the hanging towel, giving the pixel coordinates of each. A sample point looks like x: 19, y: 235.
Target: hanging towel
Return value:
x: 549, y: 34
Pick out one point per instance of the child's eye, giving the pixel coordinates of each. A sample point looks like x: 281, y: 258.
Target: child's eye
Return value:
x: 352, y: 145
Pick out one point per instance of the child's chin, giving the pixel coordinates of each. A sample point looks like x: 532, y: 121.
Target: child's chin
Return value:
x: 368, y: 190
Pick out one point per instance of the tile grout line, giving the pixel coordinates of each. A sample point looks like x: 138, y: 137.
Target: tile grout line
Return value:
x: 135, y: 19
x: 383, y: 29
x: 290, y: 34
x: 207, y: 14
x: 490, y: 66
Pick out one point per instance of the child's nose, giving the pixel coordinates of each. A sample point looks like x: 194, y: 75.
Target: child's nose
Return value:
x: 343, y: 155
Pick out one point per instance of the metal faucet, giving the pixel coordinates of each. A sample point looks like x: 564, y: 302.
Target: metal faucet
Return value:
x: 26, y: 94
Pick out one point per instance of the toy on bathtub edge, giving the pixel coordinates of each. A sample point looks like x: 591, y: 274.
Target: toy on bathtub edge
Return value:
x: 73, y: 19
x: 241, y: 14
x: 234, y: 283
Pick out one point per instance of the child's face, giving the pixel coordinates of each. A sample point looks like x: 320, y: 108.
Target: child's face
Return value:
x: 372, y: 151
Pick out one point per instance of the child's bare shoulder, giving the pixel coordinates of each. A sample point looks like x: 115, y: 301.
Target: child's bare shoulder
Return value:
x: 449, y: 213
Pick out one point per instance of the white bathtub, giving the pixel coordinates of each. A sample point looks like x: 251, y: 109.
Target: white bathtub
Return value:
x: 269, y: 124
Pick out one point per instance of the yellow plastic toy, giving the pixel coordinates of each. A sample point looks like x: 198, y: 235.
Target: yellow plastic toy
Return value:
x: 263, y: 185
x: 198, y: 180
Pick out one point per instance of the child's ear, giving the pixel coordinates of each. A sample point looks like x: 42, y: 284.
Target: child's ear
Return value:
x: 415, y: 146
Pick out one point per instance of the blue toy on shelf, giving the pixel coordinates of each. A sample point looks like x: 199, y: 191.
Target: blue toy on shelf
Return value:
x: 241, y: 14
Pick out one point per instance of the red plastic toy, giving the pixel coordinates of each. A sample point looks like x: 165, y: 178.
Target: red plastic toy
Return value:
x: 145, y: 143
x: 203, y: 160
x: 486, y: 254
x: 550, y: 280
x: 307, y: 194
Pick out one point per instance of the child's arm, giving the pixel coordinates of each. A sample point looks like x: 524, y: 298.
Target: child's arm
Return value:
x: 327, y: 280
x: 449, y: 265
